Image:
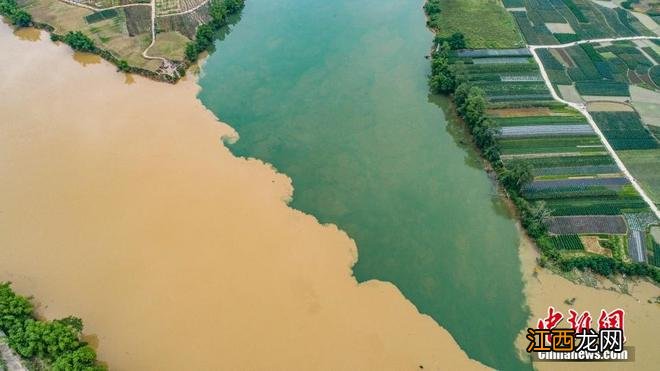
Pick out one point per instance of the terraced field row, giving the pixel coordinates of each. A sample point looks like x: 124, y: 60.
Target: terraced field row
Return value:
x: 574, y: 178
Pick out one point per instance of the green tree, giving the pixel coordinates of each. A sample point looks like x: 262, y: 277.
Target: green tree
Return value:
x: 475, y: 106
x: 21, y: 18
x: 517, y: 175
x: 13, y: 308
x: 204, y: 37
x: 79, y: 41
x: 218, y: 12
x: 82, y: 359
x: 442, y: 83
x: 123, y: 66
x: 460, y: 97
x: 191, y: 52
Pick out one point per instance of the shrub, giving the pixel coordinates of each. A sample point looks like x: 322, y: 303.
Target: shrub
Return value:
x: 79, y: 41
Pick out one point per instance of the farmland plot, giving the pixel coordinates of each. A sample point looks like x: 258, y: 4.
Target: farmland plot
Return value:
x: 561, y: 161
x: 576, y: 170
x: 636, y: 246
x: 612, y: 183
x: 567, y: 242
x: 595, y: 205
x: 594, y: 224
x: 551, y: 144
x: 624, y: 130
x: 541, y: 130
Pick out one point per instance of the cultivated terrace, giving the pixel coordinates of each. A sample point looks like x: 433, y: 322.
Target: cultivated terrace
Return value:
x: 569, y: 118
x: 155, y: 38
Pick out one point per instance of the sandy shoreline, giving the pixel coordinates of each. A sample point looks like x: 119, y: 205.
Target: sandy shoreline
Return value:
x: 120, y: 205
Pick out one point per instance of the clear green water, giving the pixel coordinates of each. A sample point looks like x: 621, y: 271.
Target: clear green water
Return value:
x: 334, y: 94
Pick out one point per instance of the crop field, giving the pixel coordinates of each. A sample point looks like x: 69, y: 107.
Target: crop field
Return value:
x: 551, y: 145
x: 567, y: 242
x: 484, y: 53
x: 575, y: 170
x: 636, y: 246
x: 624, y: 130
x: 513, y: 3
x: 535, y: 33
x: 564, y: 161
x: 539, y: 120
x: 577, y: 184
x: 595, y: 205
x: 644, y: 165
x: 595, y: 224
x: 568, y: 192
x: 100, y: 16
x: 602, y: 88
x: 541, y: 130
x: 581, y: 186
x: 485, y: 23
x: 601, y: 70
x: 587, y: 19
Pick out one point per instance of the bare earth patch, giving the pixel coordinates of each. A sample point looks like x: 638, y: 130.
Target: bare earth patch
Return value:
x: 560, y: 28
x: 592, y: 244
x: 609, y: 107
x: 520, y: 112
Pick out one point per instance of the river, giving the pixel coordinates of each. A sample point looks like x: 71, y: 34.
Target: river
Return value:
x: 334, y: 94
x: 120, y: 205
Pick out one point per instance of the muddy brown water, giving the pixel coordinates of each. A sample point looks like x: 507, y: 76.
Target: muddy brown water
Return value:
x: 119, y: 204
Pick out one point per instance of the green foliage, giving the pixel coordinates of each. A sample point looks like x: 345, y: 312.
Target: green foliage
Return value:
x: 191, y: 52
x: 57, y: 342
x: 219, y: 11
x: 17, y: 16
x: 442, y: 79
x: 516, y: 175
x: 14, y: 309
x: 82, y: 359
x: 123, y: 66
x: 79, y: 41
x: 455, y: 41
x: 21, y: 18
x: 432, y: 10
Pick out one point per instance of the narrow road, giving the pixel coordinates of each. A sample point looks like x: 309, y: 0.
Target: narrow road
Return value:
x: 151, y: 4
x: 582, y: 108
x: 153, y: 35
x: 75, y: 3
x: 185, y: 11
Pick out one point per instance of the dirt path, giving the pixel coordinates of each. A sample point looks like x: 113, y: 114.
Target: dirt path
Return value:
x: 185, y: 11
x: 582, y: 108
x: 151, y: 4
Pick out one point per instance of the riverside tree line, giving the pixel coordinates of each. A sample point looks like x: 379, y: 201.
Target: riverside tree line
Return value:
x: 52, y: 345
x: 471, y: 105
x: 220, y: 11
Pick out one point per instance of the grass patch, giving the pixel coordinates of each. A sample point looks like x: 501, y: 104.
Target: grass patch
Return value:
x: 485, y: 23
x: 645, y: 166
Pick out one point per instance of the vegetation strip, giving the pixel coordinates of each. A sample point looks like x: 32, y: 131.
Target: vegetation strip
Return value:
x: 170, y: 71
x: 480, y: 94
x: 54, y: 345
x: 583, y: 110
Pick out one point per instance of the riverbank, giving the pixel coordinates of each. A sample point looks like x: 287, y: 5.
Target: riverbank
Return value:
x: 544, y: 288
x: 177, y: 254
x: 162, y: 49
